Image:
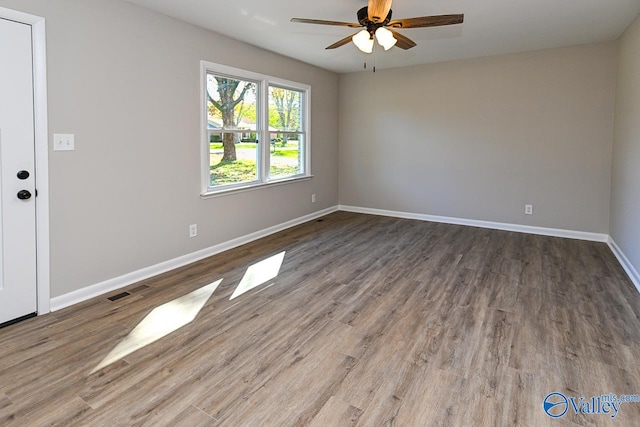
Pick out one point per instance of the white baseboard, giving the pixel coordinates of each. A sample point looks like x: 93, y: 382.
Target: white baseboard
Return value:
x: 111, y: 285
x: 554, y: 232
x: 624, y: 261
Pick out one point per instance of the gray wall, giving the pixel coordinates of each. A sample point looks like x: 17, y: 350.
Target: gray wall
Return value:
x: 125, y: 81
x: 625, y: 194
x: 478, y: 139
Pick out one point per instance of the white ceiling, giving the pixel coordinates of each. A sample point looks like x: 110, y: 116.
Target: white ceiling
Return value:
x: 491, y: 27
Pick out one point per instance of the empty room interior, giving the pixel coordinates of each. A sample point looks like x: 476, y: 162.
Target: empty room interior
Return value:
x: 348, y: 213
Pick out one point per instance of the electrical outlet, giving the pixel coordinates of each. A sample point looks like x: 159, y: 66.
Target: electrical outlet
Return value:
x: 193, y: 230
x: 63, y: 142
x: 313, y: 198
x: 528, y: 209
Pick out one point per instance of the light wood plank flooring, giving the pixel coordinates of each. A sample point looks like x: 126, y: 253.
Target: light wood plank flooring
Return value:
x: 371, y: 321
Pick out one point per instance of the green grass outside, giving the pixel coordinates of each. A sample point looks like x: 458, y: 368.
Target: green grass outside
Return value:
x: 288, y: 145
x: 245, y: 170
x: 231, y: 172
x: 284, y: 162
x: 291, y: 154
x: 218, y: 145
x: 282, y: 171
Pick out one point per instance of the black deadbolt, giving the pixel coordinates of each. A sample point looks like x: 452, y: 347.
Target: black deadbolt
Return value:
x: 23, y: 175
x: 24, y: 195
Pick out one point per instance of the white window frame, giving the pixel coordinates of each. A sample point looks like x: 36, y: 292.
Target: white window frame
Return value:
x: 262, y: 131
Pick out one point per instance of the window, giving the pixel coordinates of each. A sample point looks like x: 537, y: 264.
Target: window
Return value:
x: 255, y: 129
x: 285, y: 132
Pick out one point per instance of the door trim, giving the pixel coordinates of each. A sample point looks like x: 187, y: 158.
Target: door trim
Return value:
x: 39, y: 49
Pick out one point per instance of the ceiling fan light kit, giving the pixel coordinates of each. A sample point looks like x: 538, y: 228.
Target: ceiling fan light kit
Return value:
x: 363, y: 41
x: 385, y: 38
x: 370, y: 17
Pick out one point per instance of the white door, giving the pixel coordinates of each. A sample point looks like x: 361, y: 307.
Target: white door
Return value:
x: 17, y: 175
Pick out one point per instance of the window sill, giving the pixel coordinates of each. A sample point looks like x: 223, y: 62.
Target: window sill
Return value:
x: 251, y: 187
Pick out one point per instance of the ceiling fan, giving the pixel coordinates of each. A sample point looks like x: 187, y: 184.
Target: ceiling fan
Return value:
x: 376, y: 20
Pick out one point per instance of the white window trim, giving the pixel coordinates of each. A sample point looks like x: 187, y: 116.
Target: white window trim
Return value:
x: 263, y: 135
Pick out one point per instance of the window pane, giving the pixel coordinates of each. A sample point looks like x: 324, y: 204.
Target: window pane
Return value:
x: 287, y: 158
x: 231, y: 103
x: 234, y: 158
x: 285, y: 109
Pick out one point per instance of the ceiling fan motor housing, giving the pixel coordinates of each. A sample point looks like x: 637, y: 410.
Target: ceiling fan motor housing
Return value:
x: 363, y: 19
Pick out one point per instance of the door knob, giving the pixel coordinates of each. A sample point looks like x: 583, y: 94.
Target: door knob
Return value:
x: 23, y: 175
x: 24, y: 195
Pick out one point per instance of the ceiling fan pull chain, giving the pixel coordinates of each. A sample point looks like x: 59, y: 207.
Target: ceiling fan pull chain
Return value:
x: 374, y: 60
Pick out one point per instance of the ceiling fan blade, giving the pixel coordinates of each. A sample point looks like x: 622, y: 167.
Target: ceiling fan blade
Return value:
x: 322, y: 22
x: 378, y: 10
x: 340, y: 42
x: 403, y: 42
x: 427, y: 21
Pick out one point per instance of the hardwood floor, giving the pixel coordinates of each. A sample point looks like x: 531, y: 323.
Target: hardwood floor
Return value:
x: 371, y: 321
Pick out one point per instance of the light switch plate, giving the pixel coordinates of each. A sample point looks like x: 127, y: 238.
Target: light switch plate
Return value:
x: 63, y: 142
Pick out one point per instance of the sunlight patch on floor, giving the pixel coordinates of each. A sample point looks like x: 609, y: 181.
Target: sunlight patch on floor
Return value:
x: 259, y: 274
x: 160, y: 322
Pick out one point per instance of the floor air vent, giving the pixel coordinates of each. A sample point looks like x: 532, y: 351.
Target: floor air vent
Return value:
x: 118, y: 296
